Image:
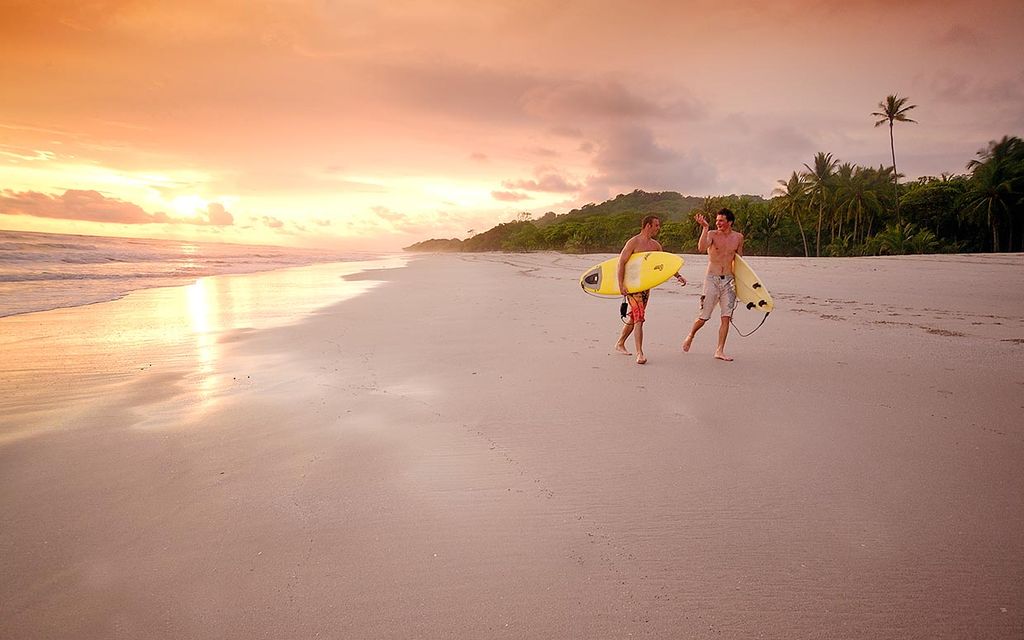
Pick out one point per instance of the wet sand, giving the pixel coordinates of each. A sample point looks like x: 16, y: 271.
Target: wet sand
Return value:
x: 456, y: 452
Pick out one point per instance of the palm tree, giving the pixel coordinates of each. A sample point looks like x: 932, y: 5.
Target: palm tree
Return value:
x: 894, y: 109
x: 792, y: 200
x: 1007, y: 151
x: 901, y: 239
x: 997, y: 180
x: 765, y: 222
x: 819, y: 187
x: 858, y: 197
x: 843, y: 180
x: 881, y: 178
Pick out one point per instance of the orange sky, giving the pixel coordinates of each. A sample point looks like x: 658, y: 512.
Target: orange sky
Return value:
x: 371, y: 125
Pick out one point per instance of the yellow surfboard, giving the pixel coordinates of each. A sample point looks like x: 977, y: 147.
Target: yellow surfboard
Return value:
x: 749, y: 288
x: 644, y: 270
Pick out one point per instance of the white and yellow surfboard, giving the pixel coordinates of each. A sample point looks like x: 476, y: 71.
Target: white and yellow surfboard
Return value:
x: 749, y: 288
x: 644, y: 270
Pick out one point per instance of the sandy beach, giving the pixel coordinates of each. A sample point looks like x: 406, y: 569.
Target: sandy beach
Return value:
x: 451, y: 449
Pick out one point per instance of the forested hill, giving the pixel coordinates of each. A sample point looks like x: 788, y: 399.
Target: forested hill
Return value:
x: 670, y: 205
x: 589, y: 229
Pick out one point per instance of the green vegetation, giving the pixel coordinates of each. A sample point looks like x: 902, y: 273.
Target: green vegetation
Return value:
x: 830, y: 209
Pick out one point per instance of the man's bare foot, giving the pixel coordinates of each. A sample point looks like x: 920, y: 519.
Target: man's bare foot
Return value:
x: 621, y: 348
x: 687, y: 342
x: 722, y: 356
x: 641, y: 359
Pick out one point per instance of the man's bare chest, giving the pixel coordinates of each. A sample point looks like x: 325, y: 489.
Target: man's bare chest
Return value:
x: 724, y: 244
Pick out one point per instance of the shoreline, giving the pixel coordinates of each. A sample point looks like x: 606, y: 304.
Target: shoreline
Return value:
x: 45, y: 271
x: 457, y: 453
x: 179, y: 331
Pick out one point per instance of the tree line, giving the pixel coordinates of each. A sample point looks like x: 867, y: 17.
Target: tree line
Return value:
x: 841, y: 209
x: 826, y: 208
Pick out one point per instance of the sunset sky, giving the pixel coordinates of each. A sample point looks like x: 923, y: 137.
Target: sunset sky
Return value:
x: 362, y: 124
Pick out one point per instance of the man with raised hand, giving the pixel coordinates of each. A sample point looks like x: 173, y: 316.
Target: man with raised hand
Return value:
x: 723, y: 245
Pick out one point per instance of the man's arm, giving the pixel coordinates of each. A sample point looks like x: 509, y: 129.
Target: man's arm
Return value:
x: 739, y: 247
x: 627, y: 251
x: 704, y: 241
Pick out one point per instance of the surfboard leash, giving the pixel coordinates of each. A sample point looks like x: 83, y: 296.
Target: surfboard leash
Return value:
x: 744, y: 335
x: 623, y: 305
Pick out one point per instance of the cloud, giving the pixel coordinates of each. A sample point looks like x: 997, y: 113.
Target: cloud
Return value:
x: 547, y: 181
x: 218, y: 216
x: 628, y: 147
x: 964, y: 88
x: 288, y: 180
x: 631, y: 158
x: 451, y: 90
x: 785, y: 140
x: 509, y: 196
x: 77, y: 204
x: 26, y: 155
x: 544, y: 152
x: 960, y: 35
x: 388, y: 214
x: 398, y: 222
x: 270, y: 221
x: 603, y: 100
x: 93, y: 206
x: 567, y: 131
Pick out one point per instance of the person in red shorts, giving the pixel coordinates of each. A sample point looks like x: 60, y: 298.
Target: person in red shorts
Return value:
x: 643, y: 241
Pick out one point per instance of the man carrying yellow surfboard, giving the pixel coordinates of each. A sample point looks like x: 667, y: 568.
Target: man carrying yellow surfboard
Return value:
x: 723, y: 245
x: 643, y: 241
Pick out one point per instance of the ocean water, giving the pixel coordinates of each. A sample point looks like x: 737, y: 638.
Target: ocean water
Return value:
x: 43, y: 271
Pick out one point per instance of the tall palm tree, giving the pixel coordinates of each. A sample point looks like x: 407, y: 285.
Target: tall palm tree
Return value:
x: 894, y: 109
x: 819, y: 187
x: 792, y: 200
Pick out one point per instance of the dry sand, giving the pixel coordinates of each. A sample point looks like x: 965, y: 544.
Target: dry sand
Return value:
x: 457, y: 453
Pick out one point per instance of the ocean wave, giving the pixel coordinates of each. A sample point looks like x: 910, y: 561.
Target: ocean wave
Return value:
x: 48, y: 271
x: 49, y: 276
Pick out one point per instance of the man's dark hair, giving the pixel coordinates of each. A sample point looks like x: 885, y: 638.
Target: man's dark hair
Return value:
x: 728, y: 215
x: 648, y: 220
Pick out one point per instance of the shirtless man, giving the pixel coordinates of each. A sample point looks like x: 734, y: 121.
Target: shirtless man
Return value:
x: 723, y: 244
x: 643, y: 241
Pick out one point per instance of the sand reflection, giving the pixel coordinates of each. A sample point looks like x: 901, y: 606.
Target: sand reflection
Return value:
x: 162, y: 349
x: 203, y: 311
x: 211, y: 307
